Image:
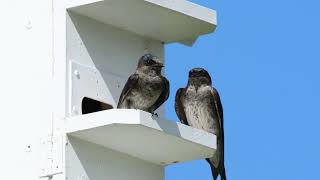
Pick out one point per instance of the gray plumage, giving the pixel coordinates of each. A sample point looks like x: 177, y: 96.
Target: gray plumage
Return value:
x: 146, y: 89
x: 198, y: 105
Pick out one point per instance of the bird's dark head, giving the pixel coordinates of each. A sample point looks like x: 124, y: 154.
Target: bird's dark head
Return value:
x: 198, y: 77
x: 150, y: 64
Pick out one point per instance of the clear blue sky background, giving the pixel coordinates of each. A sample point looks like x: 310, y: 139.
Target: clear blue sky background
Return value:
x: 265, y: 61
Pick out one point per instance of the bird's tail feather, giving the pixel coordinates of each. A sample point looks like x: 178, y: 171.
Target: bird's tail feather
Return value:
x: 222, y: 172
x: 217, y: 171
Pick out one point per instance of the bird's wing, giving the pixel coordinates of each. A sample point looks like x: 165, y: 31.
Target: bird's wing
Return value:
x: 219, y: 111
x: 218, y: 105
x: 179, y: 107
x: 131, y: 82
x: 163, y: 96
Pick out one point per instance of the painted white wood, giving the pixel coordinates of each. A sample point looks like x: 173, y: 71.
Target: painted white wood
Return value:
x: 75, y: 3
x: 88, y: 161
x: 56, y: 156
x: 167, y: 21
x: 188, y: 8
x: 97, y: 45
x: 26, y: 86
x: 136, y: 133
x: 91, y: 83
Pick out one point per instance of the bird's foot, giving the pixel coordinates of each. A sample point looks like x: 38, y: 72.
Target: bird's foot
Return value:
x: 155, y: 115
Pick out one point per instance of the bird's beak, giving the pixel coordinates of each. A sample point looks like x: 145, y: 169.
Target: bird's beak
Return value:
x: 158, y: 64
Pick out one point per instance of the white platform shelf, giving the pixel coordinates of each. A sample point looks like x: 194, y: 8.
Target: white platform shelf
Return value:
x: 164, y: 20
x: 137, y: 134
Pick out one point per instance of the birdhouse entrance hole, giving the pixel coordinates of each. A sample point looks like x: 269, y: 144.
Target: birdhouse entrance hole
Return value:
x: 91, y: 106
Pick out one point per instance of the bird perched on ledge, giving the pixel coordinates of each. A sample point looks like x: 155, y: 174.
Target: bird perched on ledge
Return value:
x: 198, y: 105
x: 146, y: 89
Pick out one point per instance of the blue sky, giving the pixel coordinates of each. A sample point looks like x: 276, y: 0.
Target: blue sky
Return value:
x: 264, y: 59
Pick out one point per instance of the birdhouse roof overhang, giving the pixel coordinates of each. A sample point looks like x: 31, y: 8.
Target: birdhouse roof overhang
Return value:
x: 164, y: 20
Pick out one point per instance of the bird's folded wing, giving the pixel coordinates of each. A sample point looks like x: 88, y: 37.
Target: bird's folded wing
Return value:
x: 179, y: 107
x: 132, y: 81
x: 163, y: 96
x: 218, y: 104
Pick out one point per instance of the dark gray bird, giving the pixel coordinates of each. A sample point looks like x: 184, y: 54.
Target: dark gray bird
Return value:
x: 146, y: 89
x: 198, y: 105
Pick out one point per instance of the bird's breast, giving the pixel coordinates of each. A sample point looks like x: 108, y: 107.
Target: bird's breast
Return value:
x: 147, y: 94
x: 199, y: 111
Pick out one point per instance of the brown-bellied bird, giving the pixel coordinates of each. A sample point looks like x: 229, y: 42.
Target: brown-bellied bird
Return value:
x: 146, y: 89
x: 198, y: 105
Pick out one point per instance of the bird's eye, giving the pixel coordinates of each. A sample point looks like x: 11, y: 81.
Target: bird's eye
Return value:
x: 148, y: 61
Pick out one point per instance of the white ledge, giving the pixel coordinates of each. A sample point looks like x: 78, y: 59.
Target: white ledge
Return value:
x: 136, y: 133
x: 164, y: 20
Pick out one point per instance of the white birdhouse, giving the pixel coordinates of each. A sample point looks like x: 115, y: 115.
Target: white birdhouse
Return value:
x: 75, y: 57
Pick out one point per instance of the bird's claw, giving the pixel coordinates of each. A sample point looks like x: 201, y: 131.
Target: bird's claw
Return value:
x: 155, y: 115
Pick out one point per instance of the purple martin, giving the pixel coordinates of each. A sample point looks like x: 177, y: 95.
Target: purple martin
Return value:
x: 198, y: 105
x: 146, y: 89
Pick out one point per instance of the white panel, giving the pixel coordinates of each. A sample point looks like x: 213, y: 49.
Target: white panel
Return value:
x: 60, y: 91
x: 89, y: 82
x: 87, y: 161
x: 25, y: 76
x: 106, y: 48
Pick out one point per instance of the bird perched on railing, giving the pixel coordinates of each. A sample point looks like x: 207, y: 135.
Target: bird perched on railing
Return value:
x: 198, y: 105
x: 146, y: 89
